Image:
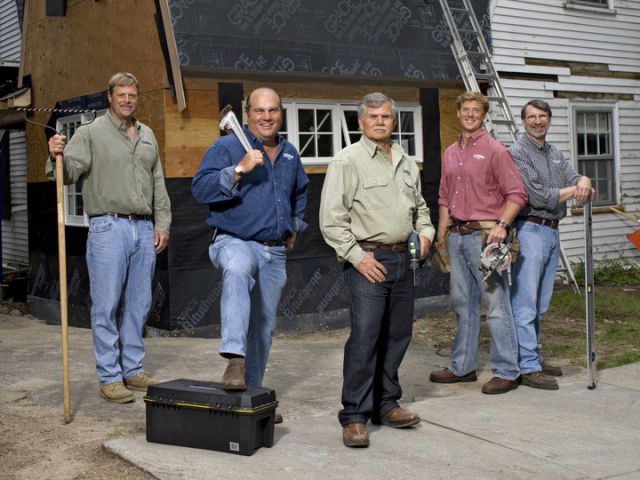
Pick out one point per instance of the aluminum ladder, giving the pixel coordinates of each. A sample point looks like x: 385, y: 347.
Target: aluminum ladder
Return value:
x: 473, y: 56
x: 475, y: 62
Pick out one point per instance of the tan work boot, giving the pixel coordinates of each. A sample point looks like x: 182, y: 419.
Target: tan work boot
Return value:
x: 140, y: 382
x: 233, y: 378
x: 116, y: 392
x: 355, y: 435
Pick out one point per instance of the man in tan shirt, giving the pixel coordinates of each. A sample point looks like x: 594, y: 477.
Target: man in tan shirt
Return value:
x: 371, y: 202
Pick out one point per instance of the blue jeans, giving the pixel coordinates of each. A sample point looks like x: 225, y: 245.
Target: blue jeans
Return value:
x: 533, y: 279
x: 253, y: 276
x: 121, y: 259
x: 381, y: 324
x: 467, y: 290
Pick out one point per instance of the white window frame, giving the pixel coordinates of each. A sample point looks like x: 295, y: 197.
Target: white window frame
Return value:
x: 590, y: 6
x: 339, y: 127
x: 613, y: 109
x: 71, y: 192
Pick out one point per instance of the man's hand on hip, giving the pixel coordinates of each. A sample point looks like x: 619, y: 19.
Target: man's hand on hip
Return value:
x: 371, y: 269
x: 160, y: 240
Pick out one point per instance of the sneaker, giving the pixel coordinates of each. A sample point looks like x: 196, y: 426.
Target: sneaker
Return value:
x: 140, y: 382
x: 116, y: 392
x: 447, y: 376
x: 539, y: 380
x: 551, y: 369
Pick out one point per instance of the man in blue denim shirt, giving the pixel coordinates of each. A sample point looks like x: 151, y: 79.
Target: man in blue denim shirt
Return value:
x: 256, y: 205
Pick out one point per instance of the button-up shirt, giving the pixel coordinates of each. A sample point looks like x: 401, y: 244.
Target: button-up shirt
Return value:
x: 544, y: 171
x: 479, y: 179
x: 118, y: 175
x: 266, y: 204
x: 365, y: 197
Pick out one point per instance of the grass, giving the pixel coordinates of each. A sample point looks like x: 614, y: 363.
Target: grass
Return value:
x: 563, y: 330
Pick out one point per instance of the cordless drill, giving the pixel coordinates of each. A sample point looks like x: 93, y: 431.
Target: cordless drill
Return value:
x: 413, y: 245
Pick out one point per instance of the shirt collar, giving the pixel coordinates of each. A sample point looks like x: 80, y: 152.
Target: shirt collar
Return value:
x: 373, y: 147
x: 473, y: 138
x: 121, y: 125
x: 545, y: 146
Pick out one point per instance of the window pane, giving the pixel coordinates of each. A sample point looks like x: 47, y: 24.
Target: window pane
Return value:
x: 284, y: 128
x: 408, y: 143
x: 592, y: 144
x: 325, y: 146
x: 305, y: 121
x: 581, y: 143
x: 406, y: 122
x: 307, y: 145
x: 351, y: 117
x: 324, y: 120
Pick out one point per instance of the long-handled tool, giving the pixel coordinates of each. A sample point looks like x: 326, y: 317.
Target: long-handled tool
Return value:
x: 634, y: 237
x: 62, y: 257
x: 229, y: 124
x: 589, y: 296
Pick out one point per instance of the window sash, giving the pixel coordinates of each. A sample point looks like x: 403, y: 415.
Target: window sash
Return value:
x: 74, y: 214
x: 591, y: 3
x: 594, y: 142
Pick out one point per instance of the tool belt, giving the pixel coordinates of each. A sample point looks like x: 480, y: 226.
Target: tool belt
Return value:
x: 440, y: 259
x: 396, y: 247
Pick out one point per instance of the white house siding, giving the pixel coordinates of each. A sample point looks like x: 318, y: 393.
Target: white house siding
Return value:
x: 10, y: 37
x: 15, y: 241
x: 546, y: 30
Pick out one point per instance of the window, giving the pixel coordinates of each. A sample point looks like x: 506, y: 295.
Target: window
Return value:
x: 320, y: 130
x: 595, y: 150
x: 605, y: 5
x: 73, y: 207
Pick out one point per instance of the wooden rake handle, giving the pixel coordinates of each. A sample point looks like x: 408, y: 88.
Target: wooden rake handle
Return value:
x: 62, y: 267
x: 628, y: 216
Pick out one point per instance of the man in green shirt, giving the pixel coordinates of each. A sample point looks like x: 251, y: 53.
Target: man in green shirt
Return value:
x: 371, y: 202
x: 124, y: 194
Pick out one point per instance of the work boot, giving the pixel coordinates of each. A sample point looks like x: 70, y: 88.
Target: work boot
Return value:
x: 398, y: 417
x: 355, y: 435
x: 551, y: 369
x: 277, y: 418
x: 539, y: 380
x: 140, y: 382
x: 116, y: 392
x: 447, y: 376
x: 499, y: 385
x: 233, y: 378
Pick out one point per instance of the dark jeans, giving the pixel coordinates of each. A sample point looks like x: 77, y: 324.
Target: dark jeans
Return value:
x: 381, y: 323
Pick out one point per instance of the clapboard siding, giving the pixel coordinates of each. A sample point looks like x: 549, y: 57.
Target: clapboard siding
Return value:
x: 15, y: 243
x: 10, y: 37
x: 545, y: 30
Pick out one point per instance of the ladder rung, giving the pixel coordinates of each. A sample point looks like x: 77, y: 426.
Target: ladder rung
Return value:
x: 484, y: 76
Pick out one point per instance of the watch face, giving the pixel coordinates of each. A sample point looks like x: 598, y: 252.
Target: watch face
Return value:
x: 238, y: 169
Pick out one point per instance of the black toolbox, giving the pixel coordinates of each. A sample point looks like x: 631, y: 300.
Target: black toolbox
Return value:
x: 199, y: 414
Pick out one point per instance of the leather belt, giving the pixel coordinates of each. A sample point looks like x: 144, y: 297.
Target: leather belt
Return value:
x: 464, y: 228
x: 395, y: 247
x: 545, y: 222
x: 128, y: 216
x: 266, y: 243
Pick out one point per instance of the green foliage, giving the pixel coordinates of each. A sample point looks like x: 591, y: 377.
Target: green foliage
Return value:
x: 611, y: 272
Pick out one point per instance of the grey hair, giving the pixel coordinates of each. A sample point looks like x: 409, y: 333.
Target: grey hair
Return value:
x: 376, y: 100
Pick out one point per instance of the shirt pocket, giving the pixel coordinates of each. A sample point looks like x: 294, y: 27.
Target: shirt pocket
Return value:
x: 375, y: 192
x: 146, y: 154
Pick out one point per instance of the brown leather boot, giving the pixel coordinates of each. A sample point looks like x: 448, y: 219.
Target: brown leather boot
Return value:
x: 499, y: 385
x: 233, y: 378
x: 355, y: 435
x: 398, y: 417
x: 539, y: 380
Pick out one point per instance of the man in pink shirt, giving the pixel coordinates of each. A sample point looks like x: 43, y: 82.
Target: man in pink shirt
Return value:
x: 480, y: 194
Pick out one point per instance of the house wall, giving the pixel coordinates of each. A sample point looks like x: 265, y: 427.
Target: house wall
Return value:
x: 563, y: 55
x: 76, y: 55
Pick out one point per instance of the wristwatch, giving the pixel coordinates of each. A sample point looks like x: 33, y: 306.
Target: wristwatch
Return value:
x: 238, y: 169
x: 503, y: 224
